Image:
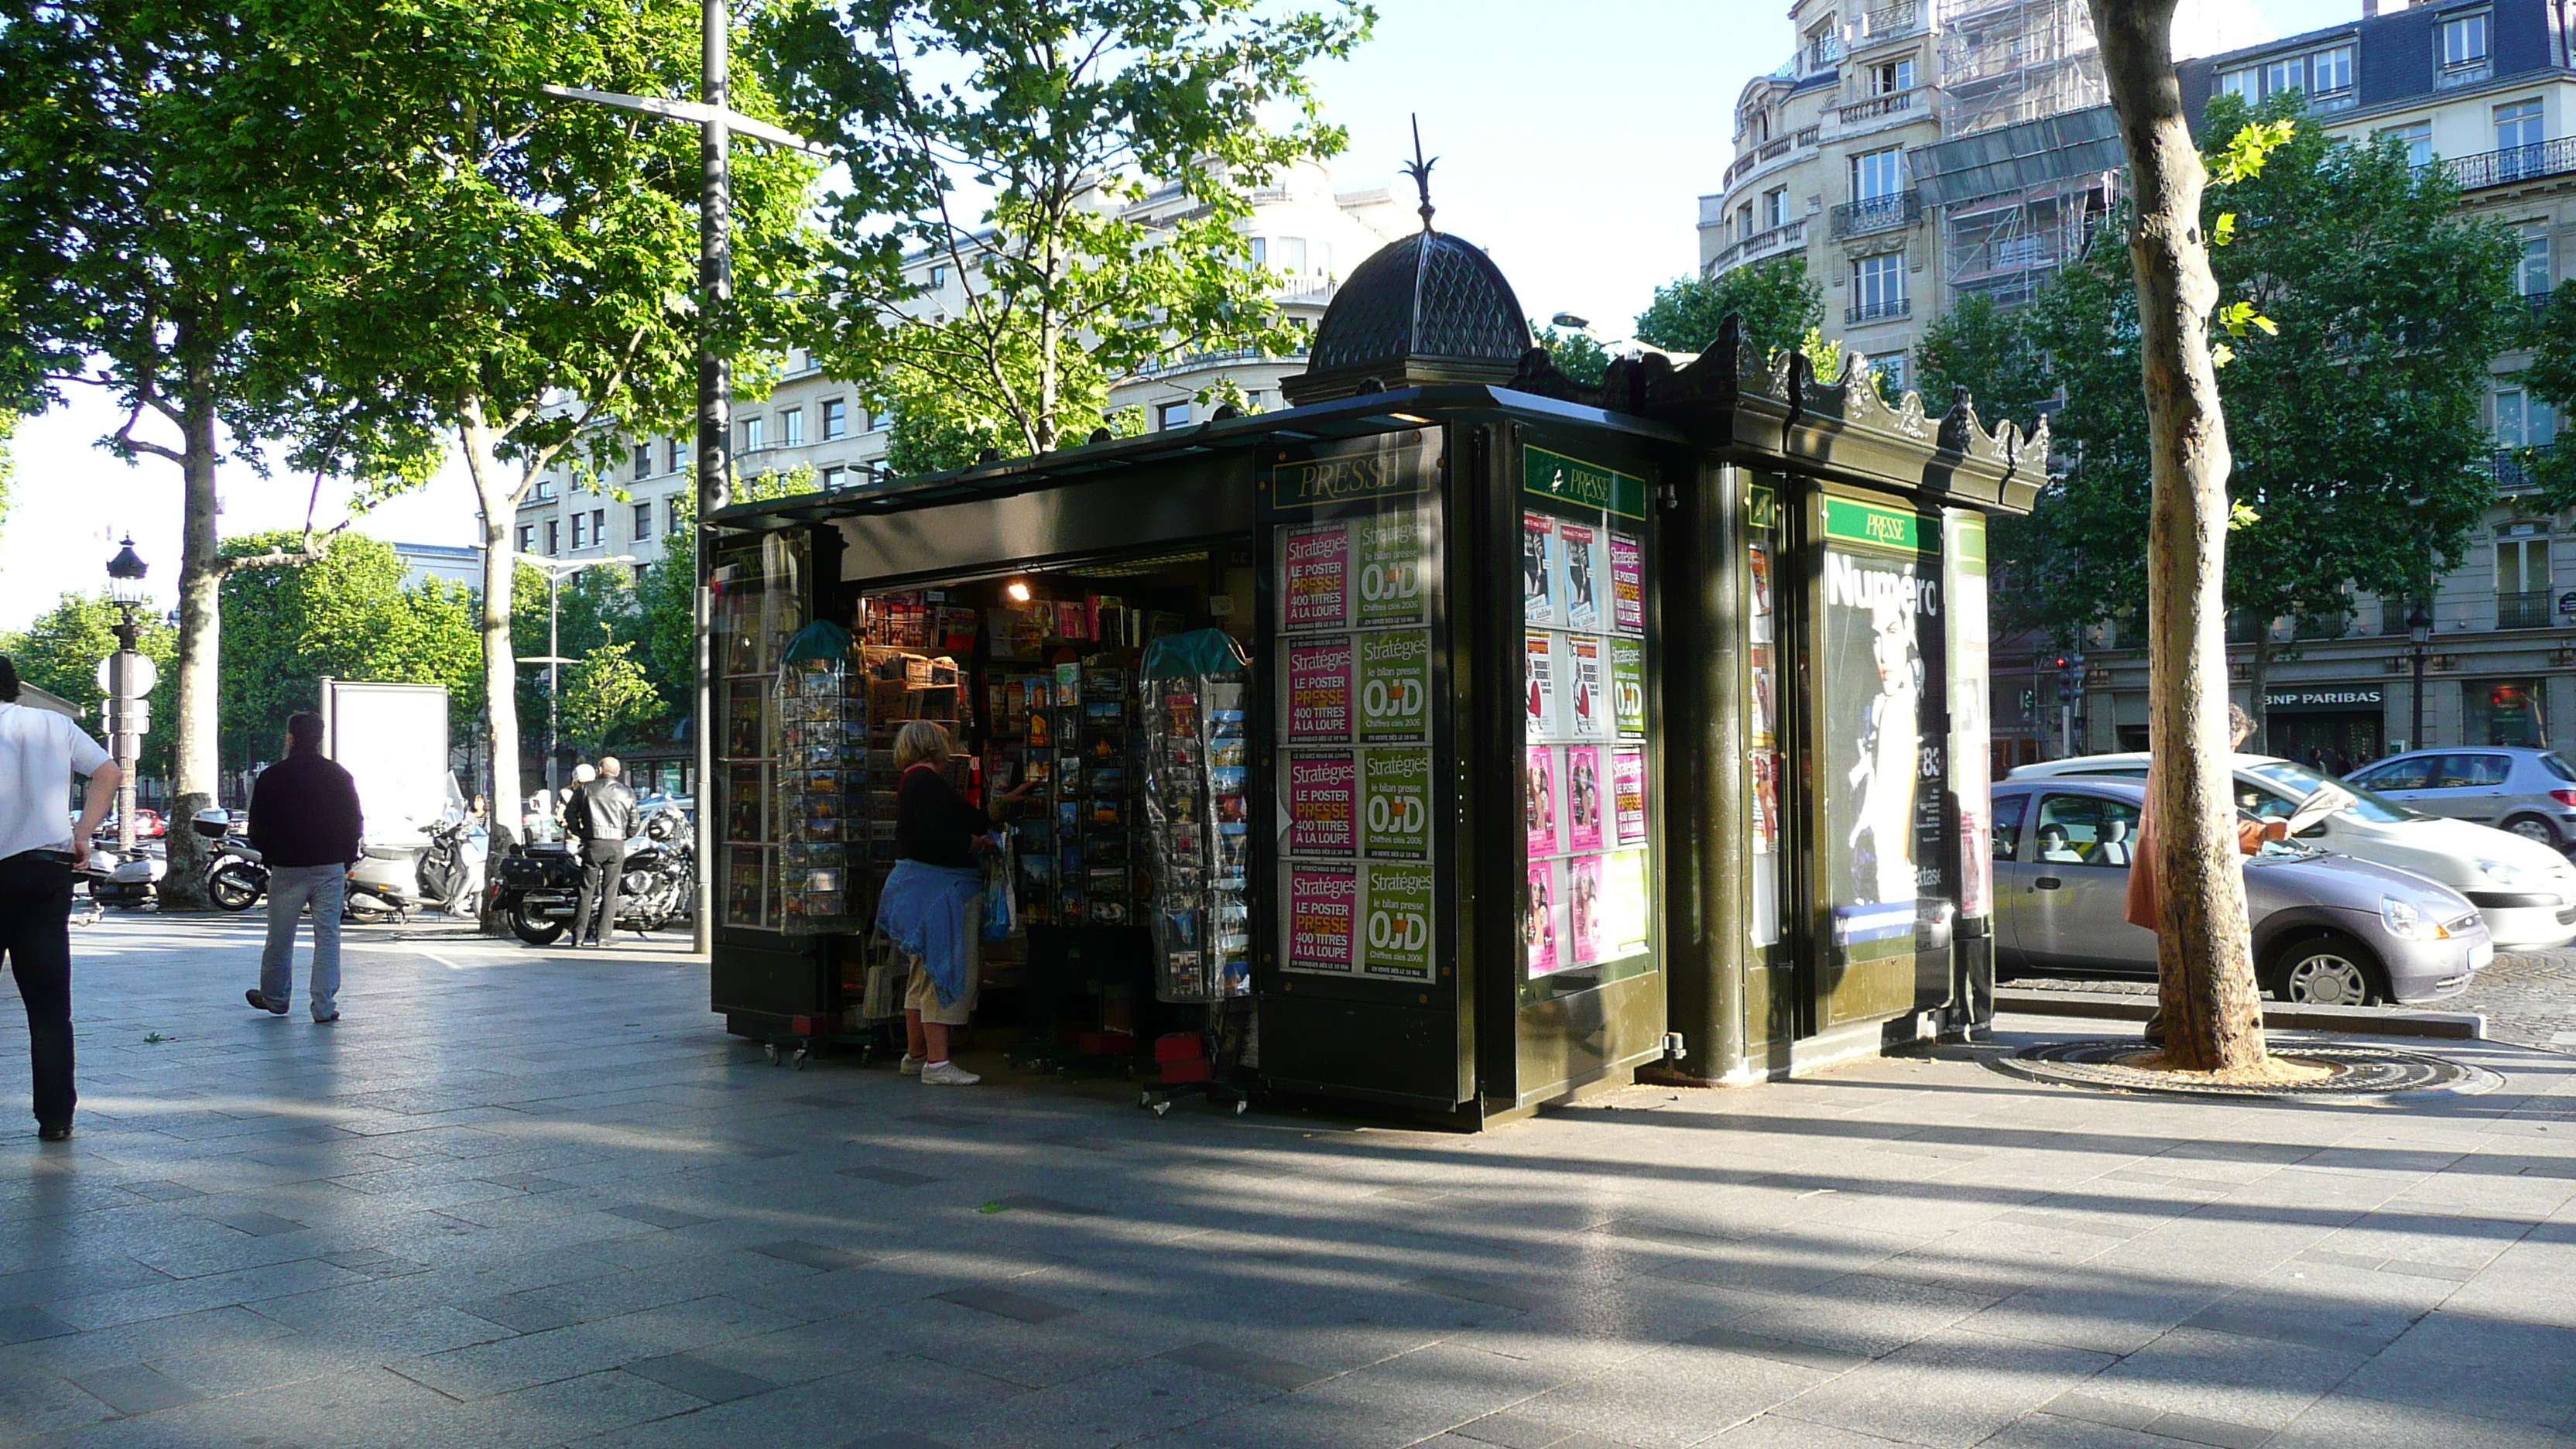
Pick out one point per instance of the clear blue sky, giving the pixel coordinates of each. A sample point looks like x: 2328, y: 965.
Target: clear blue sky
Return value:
x: 1574, y: 142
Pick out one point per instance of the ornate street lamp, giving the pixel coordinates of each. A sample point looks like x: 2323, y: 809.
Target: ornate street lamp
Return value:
x: 127, y: 677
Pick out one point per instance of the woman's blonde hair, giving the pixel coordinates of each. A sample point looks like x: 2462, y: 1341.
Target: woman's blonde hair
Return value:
x: 919, y: 741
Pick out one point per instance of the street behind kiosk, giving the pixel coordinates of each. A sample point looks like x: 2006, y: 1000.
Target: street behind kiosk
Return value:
x: 1455, y: 740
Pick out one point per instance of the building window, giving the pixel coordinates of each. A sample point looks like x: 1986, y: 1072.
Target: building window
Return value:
x: 599, y: 527
x: 677, y: 454
x: 2518, y: 137
x: 791, y: 428
x: 1252, y: 402
x: 1744, y: 222
x: 2504, y: 711
x: 836, y: 419
x: 643, y: 460
x: 2522, y: 575
x: 1292, y: 257
x: 2535, y: 276
x: 1892, y: 77
x: 580, y: 531
x: 1878, y: 287
x: 2464, y: 49
x: 832, y: 478
x: 1261, y: 251
x: 527, y: 538
x: 753, y: 435
x: 1775, y: 208
x: 1891, y: 368
x: 643, y: 522
x: 2415, y: 136
x: 2241, y: 84
x: 938, y: 276
x: 1171, y: 415
x: 2290, y: 74
x: 554, y: 538
x: 2330, y: 72
x: 672, y: 514
x: 1878, y: 173
x: 2523, y: 421
x: 545, y: 490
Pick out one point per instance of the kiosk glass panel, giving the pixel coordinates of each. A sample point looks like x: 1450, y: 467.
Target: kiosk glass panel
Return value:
x: 758, y: 602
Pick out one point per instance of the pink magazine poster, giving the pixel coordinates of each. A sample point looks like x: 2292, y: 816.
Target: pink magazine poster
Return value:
x: 1323, y: 791
x: 1316, y: 590
x: 1627, y: 584
x: 1539, y: 801
x: 1628, y: 795
x: 1588, y: 707
x: 1319, y: 690
x: 1323, y: 908
x: 1541, y: 660
x: 1585, y: 799
x: 1539, y: 933
x: 1583, y: 907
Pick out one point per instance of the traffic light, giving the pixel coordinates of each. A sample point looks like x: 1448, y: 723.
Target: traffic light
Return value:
x: 2069, y: 679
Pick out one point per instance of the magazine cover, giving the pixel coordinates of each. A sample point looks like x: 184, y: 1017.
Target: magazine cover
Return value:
x: 1579, y: 545
x: 1588, y: 712
x: 1539, y: 685
x: 1539, y: 800
x: 1538, y: 570
x: 1538, y: 921
x: 1583, y: 799
x: 1583, y: 910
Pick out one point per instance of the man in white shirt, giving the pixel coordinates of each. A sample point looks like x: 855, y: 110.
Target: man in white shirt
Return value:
x: 40, y: 751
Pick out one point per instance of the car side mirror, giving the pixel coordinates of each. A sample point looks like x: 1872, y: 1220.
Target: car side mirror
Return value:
x: 2314, y: 832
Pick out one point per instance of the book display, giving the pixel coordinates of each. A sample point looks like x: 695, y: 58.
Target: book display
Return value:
x: 1196, y: 753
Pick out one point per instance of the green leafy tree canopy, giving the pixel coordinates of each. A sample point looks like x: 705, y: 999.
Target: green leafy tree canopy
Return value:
x: 1779, y: 302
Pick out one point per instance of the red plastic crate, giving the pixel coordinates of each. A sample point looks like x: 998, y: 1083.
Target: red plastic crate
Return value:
x: 1178, y: 1046
x: 1106, y: 1044
x: 1175, y: 1073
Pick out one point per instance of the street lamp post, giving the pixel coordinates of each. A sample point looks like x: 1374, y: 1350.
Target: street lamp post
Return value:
x: 127, y: 677
x: 556, y: 571
x: 2419, y: 630
x: 717, y: 121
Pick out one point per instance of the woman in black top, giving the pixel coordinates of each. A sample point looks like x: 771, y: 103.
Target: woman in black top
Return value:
x: 933, y: 906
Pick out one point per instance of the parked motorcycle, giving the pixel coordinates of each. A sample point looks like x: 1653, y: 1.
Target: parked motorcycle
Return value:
x: 538, y: 890
x: 449, y: 869
x: 236, y: 877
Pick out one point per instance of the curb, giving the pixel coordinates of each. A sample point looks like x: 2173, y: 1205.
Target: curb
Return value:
x: 2353, y: 1020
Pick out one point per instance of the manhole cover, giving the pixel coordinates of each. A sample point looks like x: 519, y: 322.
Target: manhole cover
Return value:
x: 2359, y: 1071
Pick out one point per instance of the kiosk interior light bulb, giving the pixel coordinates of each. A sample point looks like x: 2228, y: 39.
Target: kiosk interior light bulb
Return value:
x: 1019, y: 591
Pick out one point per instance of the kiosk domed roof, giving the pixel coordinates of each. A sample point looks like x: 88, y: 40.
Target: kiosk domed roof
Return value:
x: 1429, y: 308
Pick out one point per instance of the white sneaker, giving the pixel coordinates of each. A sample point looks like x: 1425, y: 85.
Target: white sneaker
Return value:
x: 947, y: 1074
x: 910, y: 1066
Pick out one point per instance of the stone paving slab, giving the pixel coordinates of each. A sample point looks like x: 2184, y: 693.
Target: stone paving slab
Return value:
x: 481, y: 1211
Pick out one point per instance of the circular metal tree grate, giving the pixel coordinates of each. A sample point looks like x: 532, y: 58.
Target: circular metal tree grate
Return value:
x: 2359, y: 1071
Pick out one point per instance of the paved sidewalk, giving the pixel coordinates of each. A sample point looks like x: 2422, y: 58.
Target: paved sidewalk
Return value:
x: 532, y: 1198
x: 2527, y: 997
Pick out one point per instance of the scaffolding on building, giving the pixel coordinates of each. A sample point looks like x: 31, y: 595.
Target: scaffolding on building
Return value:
x: 2029, y: 156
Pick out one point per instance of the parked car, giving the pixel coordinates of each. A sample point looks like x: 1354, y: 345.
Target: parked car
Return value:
x: 2328, y: 929
x: 2525, y: 891
x: 2529, y: 792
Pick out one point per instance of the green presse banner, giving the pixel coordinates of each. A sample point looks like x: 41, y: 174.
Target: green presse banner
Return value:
x: 1395, y: 803
x: 1586, y: 485
x: 1871, y: 525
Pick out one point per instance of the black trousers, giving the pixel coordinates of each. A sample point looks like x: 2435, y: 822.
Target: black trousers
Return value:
x: 602, y: 864
x: 36, y: 936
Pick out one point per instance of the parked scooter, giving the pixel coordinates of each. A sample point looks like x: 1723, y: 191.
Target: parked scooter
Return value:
x: 127, y: 882
x: 449, y: 871
x: 236, y: 877
x: 381, y: 885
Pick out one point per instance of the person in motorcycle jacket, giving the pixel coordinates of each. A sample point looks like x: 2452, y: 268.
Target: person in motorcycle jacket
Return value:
x: 603, y: 814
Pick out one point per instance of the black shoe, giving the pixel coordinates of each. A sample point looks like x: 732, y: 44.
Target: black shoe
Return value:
x: 61, y: 1133
x: 255, y: 998
x: 326, y: 1020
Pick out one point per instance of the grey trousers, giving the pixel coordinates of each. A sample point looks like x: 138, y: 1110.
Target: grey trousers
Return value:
x: 290, y: 889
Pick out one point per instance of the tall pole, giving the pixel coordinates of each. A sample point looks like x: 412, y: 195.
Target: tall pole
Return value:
x: 715, y: 414
x: 2415, y: 740
x: 554, y: 692
x: 124, y: 741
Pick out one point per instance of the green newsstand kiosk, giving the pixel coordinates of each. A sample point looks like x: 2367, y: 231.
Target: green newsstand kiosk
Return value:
x: 1554, y: 731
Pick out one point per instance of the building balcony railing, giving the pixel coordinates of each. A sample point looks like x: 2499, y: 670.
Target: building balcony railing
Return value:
x: 1881, y: 310
x: 2512, y: 164
x: 2468, y: 73
x: 1762, y: 244
x: 1821, y: 55
x: 2508, y: 466
x: 1890, y: 21
x: 1876, y: 108
x: 1878, y: 213
x: 2523, y: 611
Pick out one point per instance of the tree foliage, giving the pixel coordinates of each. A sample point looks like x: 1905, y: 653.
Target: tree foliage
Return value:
x: 347, y: 614
x: 1576, y: 354
x: 2352, y: 421
x: 1779, y: 303
x: 1011, y: 145
x: 59, y: 652
x: 606, y: 697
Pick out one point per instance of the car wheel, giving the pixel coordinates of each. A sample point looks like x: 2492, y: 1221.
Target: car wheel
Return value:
x: 2532, y: 827
x: 2326, y: 971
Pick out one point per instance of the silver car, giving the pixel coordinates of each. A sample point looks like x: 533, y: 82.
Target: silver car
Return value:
x: 2328, y: 929
x: 2529, y: 792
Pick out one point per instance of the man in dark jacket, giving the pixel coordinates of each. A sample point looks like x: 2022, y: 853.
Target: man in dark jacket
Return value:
x: 304, y: 822
x: 604, y: 811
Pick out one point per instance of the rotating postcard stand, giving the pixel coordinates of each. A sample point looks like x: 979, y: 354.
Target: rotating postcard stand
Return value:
x: 1193, y: 690
x: 821, y: 706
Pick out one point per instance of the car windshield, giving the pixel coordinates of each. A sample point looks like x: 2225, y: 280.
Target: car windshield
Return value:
x: 2302, y: 782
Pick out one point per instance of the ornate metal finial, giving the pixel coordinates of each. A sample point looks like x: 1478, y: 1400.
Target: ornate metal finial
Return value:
x: 1420, y: 171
